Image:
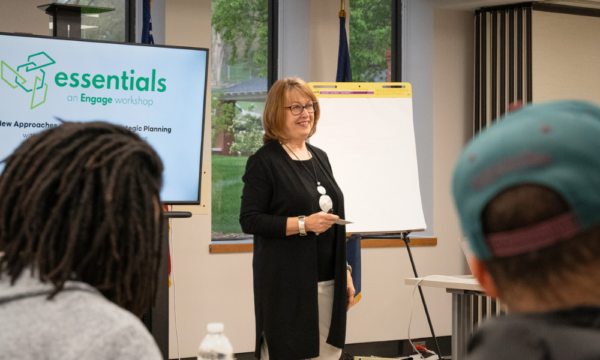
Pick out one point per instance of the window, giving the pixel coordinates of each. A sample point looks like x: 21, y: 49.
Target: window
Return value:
x: 238, y: 91
x: 109, y: 26
x: 370, y: 40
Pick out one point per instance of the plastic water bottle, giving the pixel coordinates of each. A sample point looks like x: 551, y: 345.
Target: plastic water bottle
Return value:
x: 215, y: 345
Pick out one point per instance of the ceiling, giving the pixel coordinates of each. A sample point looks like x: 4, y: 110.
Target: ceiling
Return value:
x: 476, y: 4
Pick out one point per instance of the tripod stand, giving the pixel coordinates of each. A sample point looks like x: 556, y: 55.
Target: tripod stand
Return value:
x: 404, y: 236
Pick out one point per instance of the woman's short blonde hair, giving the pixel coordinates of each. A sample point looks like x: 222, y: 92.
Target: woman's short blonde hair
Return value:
x: 275, y: 112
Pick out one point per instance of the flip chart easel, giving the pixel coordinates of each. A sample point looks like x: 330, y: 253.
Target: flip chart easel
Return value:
x: 367, y: 131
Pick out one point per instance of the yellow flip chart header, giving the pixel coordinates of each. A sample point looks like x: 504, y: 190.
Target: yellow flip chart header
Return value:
x: 361, y: 90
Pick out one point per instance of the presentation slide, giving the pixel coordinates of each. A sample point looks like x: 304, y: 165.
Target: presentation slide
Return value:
x: 157, y: 92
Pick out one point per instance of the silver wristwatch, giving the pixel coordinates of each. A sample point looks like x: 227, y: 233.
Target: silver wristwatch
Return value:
x: 301, y: 225
x: 348, y: 267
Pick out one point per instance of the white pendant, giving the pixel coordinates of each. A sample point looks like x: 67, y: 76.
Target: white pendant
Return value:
x: 321, y: 190
x: 325, y: 203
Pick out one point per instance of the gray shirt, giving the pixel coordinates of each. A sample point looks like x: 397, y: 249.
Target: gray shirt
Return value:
x: 78, y: 323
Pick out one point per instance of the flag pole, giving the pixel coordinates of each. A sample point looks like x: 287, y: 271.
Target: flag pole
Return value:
x: 342, y: 11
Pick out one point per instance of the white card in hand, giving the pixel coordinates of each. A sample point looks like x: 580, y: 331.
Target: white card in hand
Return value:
x: 342, y: 222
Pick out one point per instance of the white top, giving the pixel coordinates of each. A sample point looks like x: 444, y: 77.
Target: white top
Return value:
x: 460, y: 282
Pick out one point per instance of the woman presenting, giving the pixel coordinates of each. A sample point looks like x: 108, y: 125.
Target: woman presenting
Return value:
x: 302, y: 283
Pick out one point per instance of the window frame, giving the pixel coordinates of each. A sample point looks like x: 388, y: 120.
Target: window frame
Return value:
x: 273, y: 43
x: 397, y: 49
x: 398, y: 11
x: 272, y: 77
x: 131, y: 9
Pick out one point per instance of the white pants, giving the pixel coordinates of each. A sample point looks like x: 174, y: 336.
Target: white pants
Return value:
x: 327, y: 352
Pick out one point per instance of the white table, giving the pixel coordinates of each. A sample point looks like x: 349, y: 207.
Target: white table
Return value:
x: 470, y: 307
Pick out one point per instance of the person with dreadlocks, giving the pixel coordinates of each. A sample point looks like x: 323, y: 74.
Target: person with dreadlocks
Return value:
x: 81, y: 233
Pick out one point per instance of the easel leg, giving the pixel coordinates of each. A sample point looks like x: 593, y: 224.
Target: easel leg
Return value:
x: 412, y: 262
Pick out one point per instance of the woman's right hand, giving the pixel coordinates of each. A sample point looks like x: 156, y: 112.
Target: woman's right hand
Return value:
x: 319, y: 222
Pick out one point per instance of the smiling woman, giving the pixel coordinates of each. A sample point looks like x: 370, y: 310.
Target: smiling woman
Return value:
x: 282, y: 120
x: 289, y: 203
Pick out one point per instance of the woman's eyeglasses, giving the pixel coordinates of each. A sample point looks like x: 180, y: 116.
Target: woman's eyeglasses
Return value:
x: 298, y: 109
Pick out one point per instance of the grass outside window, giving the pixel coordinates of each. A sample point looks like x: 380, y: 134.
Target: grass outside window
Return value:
x: 227, y: 185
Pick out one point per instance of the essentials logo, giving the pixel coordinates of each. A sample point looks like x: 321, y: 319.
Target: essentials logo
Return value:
x: 35, y: 63
x: 111, y: 82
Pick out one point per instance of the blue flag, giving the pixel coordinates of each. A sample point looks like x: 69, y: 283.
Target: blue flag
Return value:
x: 147, y: 24
x: 344, y: 73
x: 353, y: 258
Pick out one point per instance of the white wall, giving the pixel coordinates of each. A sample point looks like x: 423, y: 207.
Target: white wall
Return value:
x: 294, y: 39
x: 452, y: 123
x: 324, y: 38
x: 566, y: 54
x: 308, y: 38
x: 158, y: 21
x: 206, y: 284
x: 417, y: 67
x: 23, y: 16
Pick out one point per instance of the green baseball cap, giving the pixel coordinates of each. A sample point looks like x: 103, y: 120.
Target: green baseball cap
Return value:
x: 556, y: 145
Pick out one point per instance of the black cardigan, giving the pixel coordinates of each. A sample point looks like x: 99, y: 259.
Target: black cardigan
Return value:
x: 285, y: 267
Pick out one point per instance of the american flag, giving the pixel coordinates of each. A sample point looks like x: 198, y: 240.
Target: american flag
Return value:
x: 344, y: 74
x: 147, y: 37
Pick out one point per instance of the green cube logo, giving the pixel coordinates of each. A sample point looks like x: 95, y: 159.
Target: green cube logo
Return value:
x: 33, y: 67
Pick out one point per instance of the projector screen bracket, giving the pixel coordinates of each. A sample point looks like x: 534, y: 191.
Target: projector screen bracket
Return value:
x: 177, y: 214
x: 66, y: 18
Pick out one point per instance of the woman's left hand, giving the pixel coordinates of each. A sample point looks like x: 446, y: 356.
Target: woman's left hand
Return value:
x: 350, y: 290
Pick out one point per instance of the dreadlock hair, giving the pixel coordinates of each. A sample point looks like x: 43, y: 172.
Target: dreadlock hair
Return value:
x: 544, y: 270
x: 81, y: 202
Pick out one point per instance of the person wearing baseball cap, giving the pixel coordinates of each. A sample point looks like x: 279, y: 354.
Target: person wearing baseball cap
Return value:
x: 527, y: 190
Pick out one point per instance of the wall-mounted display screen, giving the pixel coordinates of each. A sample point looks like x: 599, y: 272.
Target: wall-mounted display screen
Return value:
x: 158, y: 92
